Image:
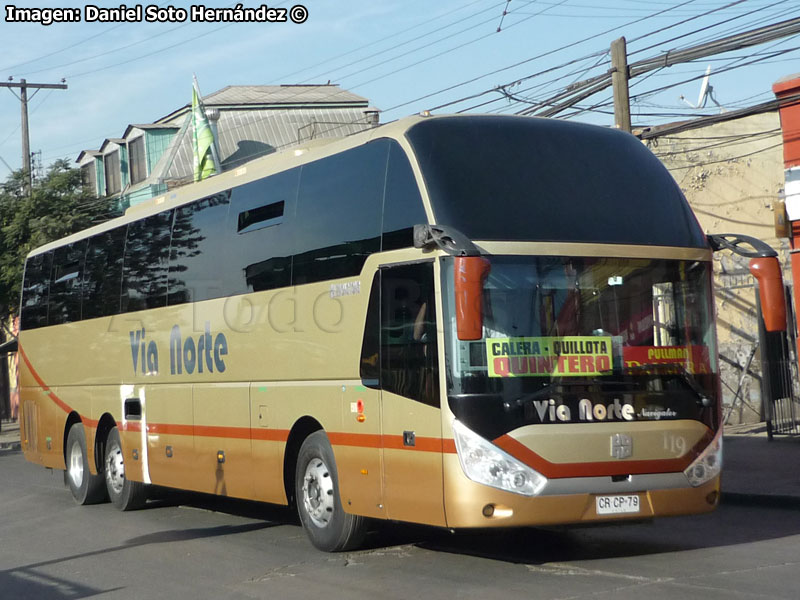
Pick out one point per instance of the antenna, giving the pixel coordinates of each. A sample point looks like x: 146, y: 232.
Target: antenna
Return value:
x: 706, y: 92
x: 705, y: 89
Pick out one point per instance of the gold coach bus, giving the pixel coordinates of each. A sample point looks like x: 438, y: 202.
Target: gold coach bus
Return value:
x: 461, y: 321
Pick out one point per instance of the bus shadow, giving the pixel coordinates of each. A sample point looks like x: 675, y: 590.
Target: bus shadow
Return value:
x: 728, y: 526
x: 273, y: 513
x: 732, y: 524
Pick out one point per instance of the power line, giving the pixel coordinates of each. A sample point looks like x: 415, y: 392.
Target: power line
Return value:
x: 449, y: 50
x: 400, y: 45
x: 728, y: 159
x: 528, y: 60
x: 596, y: 84
x: 426, y: 21
x: 706, y: 28
x: 78, y: 43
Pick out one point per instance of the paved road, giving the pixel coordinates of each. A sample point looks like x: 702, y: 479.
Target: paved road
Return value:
x: 195, y: 547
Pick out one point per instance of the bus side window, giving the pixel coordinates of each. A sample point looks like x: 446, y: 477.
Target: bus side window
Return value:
x: 408, y: 333
x: 339, y: 213
x: 402, y: 203
x: 260, y: 234
x: 146, y: 263
x: 197, y: 261
x: 65, y: 287
x: 370, y: 347
x: 102, y: 275
x: 35, y: 291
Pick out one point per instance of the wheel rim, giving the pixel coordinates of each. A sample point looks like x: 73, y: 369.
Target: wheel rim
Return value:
x: 76, y: 465
x: 115, y: 468
x: 318, y: 492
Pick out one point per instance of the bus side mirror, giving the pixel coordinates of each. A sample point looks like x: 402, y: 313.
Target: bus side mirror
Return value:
x: 470, y: 274
x: 767, y: 271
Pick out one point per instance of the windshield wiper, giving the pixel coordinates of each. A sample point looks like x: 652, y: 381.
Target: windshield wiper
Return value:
x: 672, y: 369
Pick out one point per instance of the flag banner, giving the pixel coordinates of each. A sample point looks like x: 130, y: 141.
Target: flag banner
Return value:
x: 202, y: 138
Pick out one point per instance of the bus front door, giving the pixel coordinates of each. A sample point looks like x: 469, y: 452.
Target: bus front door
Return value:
x: 411, y: 419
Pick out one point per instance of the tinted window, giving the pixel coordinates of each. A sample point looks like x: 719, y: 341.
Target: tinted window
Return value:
x: 198, y: 251
x: 339, y: 213
x: 519, y: 178
x: 260, y: 256
x: 260, y: 217
x: 65, y: 285
x: 112, y: 172
x: 35, y: 288
x: 402, y: 204
x: 408, y: 333
x: 146, y: 263
x: 103, y: 273
x: 137, y: 160
x: 370, y: 346
x: 89, y: 178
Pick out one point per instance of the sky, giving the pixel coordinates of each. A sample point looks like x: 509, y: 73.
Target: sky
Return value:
x: 405, y: 56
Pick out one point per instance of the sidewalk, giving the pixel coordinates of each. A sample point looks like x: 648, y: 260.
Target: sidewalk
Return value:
x: 755, y: 470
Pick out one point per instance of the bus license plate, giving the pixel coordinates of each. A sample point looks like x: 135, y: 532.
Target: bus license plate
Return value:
x: 616, y: 505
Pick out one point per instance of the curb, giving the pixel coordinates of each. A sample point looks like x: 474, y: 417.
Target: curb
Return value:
x: 763, y: 500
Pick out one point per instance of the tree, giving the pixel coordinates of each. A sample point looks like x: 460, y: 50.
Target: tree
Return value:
x: 58, y: 205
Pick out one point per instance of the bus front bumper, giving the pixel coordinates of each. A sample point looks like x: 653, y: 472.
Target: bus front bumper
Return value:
x: 579, y: 500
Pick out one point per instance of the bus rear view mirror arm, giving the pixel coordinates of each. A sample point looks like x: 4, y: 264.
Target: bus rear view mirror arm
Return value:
x: 445, y: 238
x: 765, y: 267
x: 733, y: 242
x: 470, y: 273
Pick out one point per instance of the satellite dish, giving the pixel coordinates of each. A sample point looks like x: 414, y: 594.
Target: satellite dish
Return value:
x: 706, y: 92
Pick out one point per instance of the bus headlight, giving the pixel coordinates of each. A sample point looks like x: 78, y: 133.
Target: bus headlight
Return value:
x: 485, y: 463
x: 708, y: 465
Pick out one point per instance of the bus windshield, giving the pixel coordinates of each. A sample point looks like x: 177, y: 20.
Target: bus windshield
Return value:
x: 579, y: 340
x: 528, y: 179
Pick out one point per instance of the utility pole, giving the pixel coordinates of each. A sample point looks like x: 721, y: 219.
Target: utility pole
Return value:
x: 26, y: 140
x: 619, y: 81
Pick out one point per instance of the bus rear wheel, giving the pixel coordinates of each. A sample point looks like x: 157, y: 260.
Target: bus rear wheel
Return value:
x: 124, y: 493
x: 329, y: 528
x: 85, y: 487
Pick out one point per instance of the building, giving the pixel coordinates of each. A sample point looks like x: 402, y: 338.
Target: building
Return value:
x: 732, y: 176
x: 250, y: 121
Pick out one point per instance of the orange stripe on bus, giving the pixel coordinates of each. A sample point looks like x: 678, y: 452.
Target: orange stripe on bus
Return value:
x: 361, y: 440
x: 60, y: 403
x: 390, y: 442
x: 598, y: 469
x: 423, y: 444
x: 169, y: 429
x: 269, y: 435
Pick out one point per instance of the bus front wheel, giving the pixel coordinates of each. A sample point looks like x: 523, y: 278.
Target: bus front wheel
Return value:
x: 124, y: 493
x: 85, y: 487
x: 317, y: 491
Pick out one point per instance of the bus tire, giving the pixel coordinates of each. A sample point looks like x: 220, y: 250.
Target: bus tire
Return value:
x: 85, y: 487
x: 329, y: 528
x: 124, y: 493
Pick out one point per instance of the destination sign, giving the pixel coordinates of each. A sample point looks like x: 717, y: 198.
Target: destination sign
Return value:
x: 567, y: 356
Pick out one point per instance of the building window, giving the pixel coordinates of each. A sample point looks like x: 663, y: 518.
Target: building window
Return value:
x: 137, y: 161
x: 89, y: 178
x: 111, y: 163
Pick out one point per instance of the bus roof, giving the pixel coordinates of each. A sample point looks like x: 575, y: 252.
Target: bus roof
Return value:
x: 478, y: 149
x: 250, y: 171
